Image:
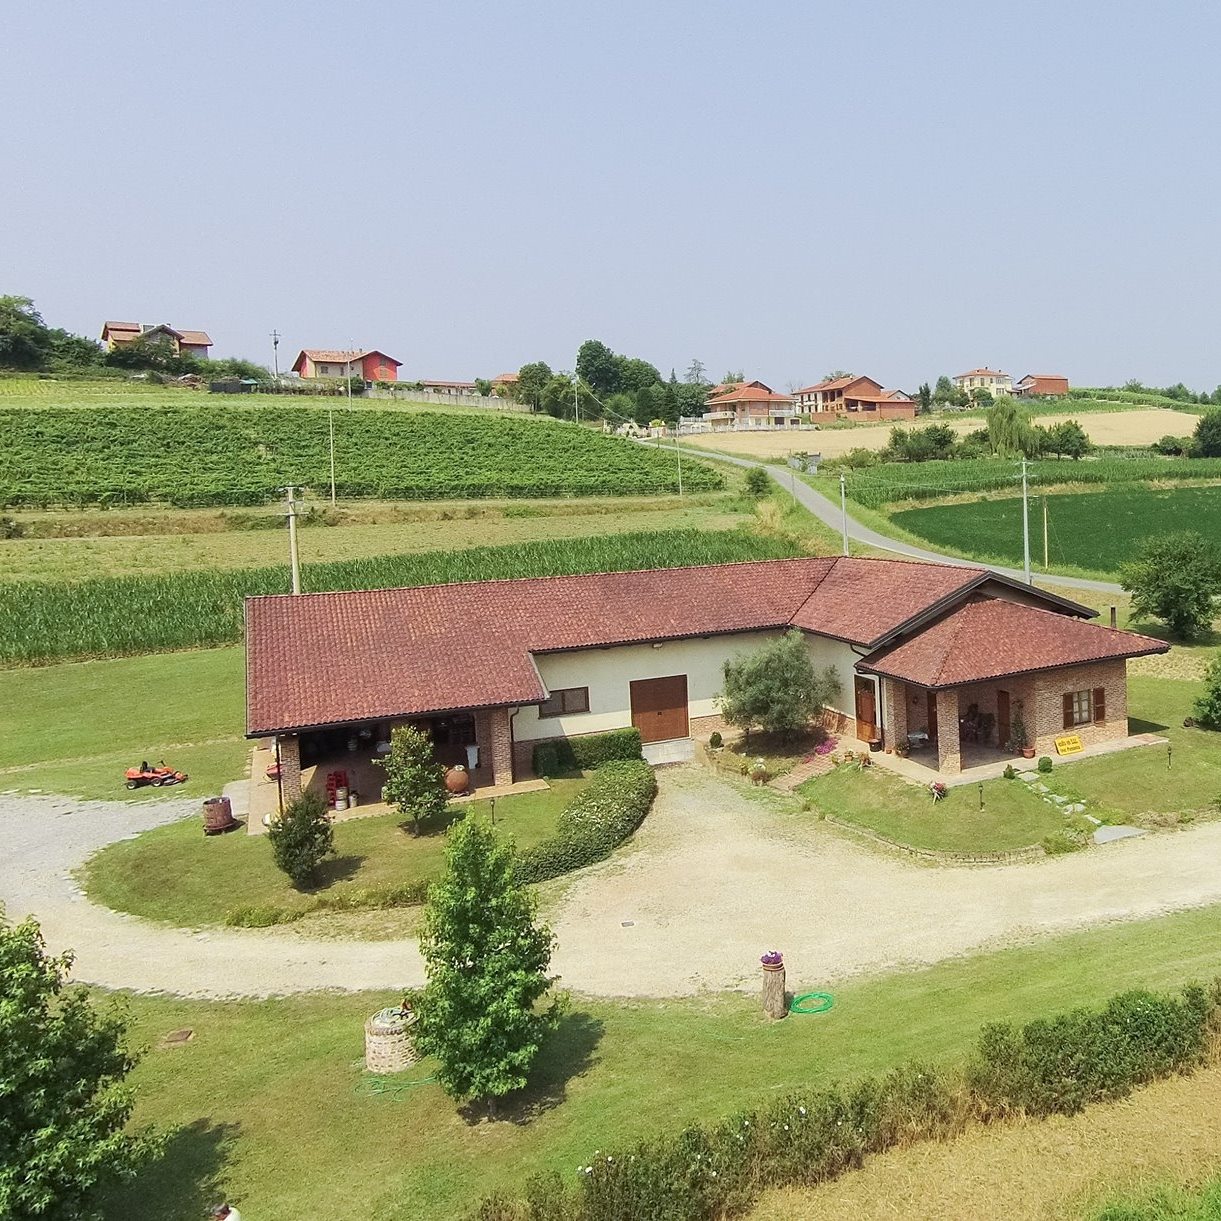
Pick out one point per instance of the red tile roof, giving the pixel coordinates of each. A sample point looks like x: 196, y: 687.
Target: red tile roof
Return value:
x: 196, y: 337
x: 982, y: 373
x: 748, y: 394
x: 995, y: 638
x: 333, y: 658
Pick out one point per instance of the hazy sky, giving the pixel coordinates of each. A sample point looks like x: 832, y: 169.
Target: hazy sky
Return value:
x: 898, y: 188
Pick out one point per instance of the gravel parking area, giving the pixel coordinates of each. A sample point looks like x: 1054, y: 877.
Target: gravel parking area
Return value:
x: 711, y: 880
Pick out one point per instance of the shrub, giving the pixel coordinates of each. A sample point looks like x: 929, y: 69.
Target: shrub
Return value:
x: 415, y: 781
x: 1055, y: 1066
x: 1207, y: 709
x: 757, y: 482
x: 301, y: 838
x: 583, y: 754
x: 1060, y: 842
x: 1045, y: 764
x: 715, y: 740
x: 776, y: 687
x: 598, y: 820
x: 1010, y: 772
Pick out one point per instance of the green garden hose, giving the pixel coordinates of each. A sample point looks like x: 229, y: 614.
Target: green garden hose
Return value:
x: 811, y: 1002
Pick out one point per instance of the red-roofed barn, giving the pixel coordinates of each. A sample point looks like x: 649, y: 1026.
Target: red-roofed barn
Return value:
x: 935, y: 655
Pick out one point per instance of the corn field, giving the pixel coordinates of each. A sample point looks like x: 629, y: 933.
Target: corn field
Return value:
x: 43, y: 621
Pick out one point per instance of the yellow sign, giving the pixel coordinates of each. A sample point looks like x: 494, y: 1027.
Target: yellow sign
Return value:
x: 1069, y: 744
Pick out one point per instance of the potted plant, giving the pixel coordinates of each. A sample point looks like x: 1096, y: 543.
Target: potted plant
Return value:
x: 1018, y: 740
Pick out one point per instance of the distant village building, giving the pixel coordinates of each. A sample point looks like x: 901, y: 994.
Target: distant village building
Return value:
x: 183, y: 343
x: 852, y: 396
x: 743, y: 405
x: 454, y: 388
x: 505, y: 383
x: 992, y: 380
x: 1041, y: 386
x: 368, y: 364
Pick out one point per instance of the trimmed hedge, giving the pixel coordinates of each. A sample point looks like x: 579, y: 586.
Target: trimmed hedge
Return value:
x: 564, y: 755
x: 1048, y: 1067
x: 600, y: 818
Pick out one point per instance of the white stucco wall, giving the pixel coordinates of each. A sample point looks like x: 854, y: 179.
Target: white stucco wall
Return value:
x: 608, y: 674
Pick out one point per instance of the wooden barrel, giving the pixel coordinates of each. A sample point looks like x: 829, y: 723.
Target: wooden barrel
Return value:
x: 218, y: 815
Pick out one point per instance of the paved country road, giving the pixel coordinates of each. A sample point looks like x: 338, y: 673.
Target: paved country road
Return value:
x: 826, y: 510
x: 710, y: 881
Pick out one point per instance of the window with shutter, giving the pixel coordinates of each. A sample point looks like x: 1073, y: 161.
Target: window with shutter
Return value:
x: 1068, y: 710
x: 1100, y: 705
x: 1078, y: 708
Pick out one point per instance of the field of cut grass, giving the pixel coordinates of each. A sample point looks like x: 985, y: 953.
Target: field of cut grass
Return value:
x: 214, y: 875
x: 266, y: 1105
x: 1097, y: 531
x: 42, y: 621
x: 106, y: 545
x: 1057, y: 1169
x: 217, y: 454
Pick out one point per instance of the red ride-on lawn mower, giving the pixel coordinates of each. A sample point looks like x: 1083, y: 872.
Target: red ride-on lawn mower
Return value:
x: 159, y: 776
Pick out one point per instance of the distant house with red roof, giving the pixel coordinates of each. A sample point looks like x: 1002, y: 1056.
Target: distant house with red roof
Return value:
x: 183, y: 343
x: 852, y: 397
x: 367, y: 363
x: 992, y: 380
x: 1041, y: 386
x: 947, y: 659
x: 745, y: 405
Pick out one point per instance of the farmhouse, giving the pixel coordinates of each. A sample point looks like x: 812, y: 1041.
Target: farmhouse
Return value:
x: 1041, y: 385
x: 953, y: 660
x: 183, y: 343
x: 992, y: 380
x: 366, y: 363
x: 839, y: 397
x: 744, y: 405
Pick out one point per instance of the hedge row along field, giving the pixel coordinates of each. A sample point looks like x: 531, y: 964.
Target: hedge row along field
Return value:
x: 1095, y: 530
x: 896, y: 481
x: 44, y: 621
x: 221, y: 455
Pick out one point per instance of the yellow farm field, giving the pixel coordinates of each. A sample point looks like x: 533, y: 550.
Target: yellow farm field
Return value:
x: 1057, y: 1168
x: 1140, y: 427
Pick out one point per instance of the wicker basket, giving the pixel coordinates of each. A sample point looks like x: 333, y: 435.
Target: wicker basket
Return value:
x: 389, y: 1047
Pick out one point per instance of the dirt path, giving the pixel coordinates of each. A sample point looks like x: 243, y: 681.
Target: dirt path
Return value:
x: 711, y: 880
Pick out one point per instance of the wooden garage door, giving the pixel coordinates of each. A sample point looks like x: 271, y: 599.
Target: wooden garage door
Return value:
x: 659, y: 707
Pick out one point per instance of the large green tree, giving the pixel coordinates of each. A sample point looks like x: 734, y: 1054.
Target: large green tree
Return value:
x: 1175, y: 578
x: 531, y: 379
x: 1206, y: 440
x: 776, y: 687
x: 25, y: 341
x: 1010, y: 431
x: 487, y: 960
x: 64, y: 1104
x: 599, y: 367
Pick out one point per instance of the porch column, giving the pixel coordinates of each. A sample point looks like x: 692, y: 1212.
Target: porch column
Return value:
x: 948, y: 757
x: 289, y: 747
x: 894, y: 710
x: 500, y: 746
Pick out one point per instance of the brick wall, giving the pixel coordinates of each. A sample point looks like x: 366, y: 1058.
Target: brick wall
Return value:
x: 1046, y: 722
x: 894, y: 705
x: 949, y: 756
x: 289, y: 748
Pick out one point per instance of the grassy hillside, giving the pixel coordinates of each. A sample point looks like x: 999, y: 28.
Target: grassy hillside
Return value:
x: 213, y: 454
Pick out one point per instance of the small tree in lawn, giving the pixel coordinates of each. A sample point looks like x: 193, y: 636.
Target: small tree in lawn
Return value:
x: 757, y: 482
x: 776, y: 687
x: 1175, y: 577
x: 415, y: 781
x: 64, y: 1106
x: 487, y: 970
x: 301, y: 838
x: 1207, y: 708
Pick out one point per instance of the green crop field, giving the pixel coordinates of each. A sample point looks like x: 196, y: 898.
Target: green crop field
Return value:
x: 43, y: 621
x: 218, y: 454
x: 891, y: 482
x: 1092, y: 530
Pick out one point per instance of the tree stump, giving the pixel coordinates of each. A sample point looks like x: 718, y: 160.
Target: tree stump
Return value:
x: 775, y: 1000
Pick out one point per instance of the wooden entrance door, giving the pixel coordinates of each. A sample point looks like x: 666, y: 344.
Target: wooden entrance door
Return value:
x: 1003, y: 724
x: 659, y: 707
x: 866, y: 709
x: 932, y: 718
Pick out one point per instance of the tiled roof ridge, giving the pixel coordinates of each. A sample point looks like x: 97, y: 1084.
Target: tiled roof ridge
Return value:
x: 1111, y: 631
x: 556, y: 576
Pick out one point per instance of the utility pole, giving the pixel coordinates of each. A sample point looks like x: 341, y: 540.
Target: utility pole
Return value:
x: 576, y: 398
x: 294, y: 558
x: 1045, y: 562
x: 1026, y: 527
x: 843, y: 508
x: 275, y: 352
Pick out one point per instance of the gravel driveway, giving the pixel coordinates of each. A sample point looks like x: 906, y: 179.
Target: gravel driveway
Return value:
x: 710, y: 881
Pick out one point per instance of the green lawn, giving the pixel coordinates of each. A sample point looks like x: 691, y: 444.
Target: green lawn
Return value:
x: 1088, y: 530
x: 264, y: 1107
x: 1167, y: 1202
x: 76, y: 728
x: 1012, y: 817
x: 177, y: 874
x: 1133, y: 786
